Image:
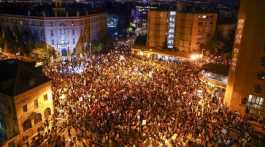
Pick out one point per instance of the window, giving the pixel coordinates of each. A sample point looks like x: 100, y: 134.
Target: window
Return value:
x: 37, y: 118
x: 2, y: 124
x: 36, y: 104
x: 73, y: 32
x: 255, y: 100
x: 261, y: 75
x: 172, y: 25
x: 25, y: 108
x: 27, y: 124
x: 171, y: 31
x: 172, y: 12
x: 52, y: 33
x: 172, y: 19
x: 170, y: 36
x: 47, y: 112
x: 52, y: 42
x: 45, y: 97
x: 74, y: 41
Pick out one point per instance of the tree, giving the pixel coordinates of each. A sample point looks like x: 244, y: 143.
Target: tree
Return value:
x: 213, y: 45
x: 42, y: 51
x: 97, y: 46
x: 17, y: 39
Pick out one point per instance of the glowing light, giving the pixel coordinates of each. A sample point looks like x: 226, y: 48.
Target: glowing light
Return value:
x: 148, y: 55
x: 38, y: 64
x: 122, y: 58
x: 199, y: 93
x: 72, y: 70
x: 171, y: 29
x: 194, y: 57
x: 141, y: 53
x: 50, y: 95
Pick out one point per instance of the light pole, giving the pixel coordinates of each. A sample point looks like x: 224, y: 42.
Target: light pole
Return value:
x: 90, y: 48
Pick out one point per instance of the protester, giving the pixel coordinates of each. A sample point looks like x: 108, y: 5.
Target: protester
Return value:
x: 121, y: 100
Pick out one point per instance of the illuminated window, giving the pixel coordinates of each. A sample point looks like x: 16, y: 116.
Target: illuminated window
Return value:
x: 170, y: 36
x: 170, y: 42
x: 25, y: 108
x: 171, y: 31
x: 255, y: 100
x: 172, y: 19
x: 172, y: 12
x: 172, y: 25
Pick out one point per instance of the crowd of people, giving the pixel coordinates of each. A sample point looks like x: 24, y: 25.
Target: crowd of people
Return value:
x: 122, y: 100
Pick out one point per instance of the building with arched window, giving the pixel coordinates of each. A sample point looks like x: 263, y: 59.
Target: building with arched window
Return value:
x: 66, y: 28
x: 25, y: 101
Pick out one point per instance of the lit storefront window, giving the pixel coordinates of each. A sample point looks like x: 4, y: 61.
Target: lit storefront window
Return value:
x: 255, y: 101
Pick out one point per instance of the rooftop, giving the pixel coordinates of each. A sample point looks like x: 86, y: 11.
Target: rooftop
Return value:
x: 48, y: 10
x: 18, y: 77
x: 185, y: 7
x: 219, y: 69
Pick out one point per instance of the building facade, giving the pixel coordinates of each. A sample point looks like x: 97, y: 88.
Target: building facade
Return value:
x: 66, y: 34
x: 181, y: 31
x: 193, y: 30
x: 25, y: 102
x: 156, y: 29
x: 245, y: 91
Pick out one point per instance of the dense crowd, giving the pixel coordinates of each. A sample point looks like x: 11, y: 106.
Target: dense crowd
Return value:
x: 123, y: 100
